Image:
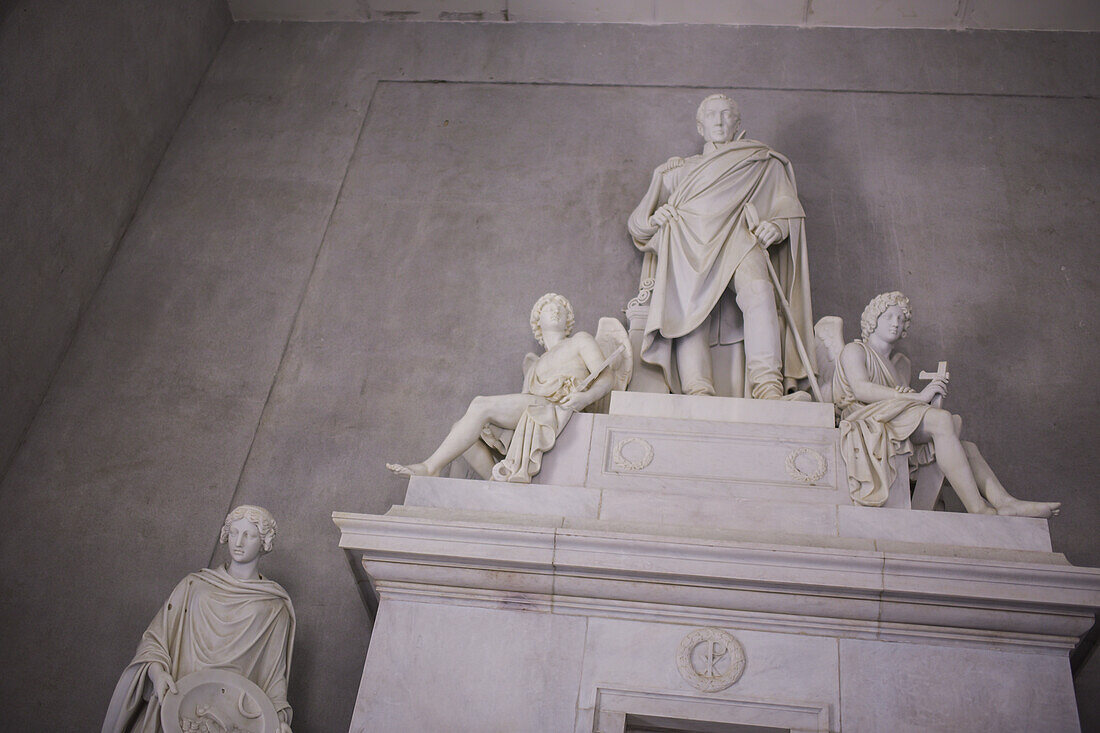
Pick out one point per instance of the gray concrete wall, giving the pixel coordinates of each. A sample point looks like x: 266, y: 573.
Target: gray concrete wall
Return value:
x: 90, y: 94
x: 344, y: 238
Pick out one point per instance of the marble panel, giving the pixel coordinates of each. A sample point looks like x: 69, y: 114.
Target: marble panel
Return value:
x: 781, y: 669
x: 722, y: 409
x: 457, y: 668
x: 747, y: 460
x: 944, y: 528
x: 910, y: 688
x: 495, y: 496
x: 718, y: 511
x: 567, y: 463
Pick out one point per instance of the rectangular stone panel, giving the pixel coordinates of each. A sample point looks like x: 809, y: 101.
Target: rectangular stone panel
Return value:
x: 748, y: 460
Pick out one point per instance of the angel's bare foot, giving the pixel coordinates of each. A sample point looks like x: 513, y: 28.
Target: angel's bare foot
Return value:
x: 1019, y: 508
x: 413, y: 469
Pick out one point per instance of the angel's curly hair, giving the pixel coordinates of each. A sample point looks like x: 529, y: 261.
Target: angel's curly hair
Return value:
x: 868, y: 322
x: 537, y: 311
x: 257, y: 515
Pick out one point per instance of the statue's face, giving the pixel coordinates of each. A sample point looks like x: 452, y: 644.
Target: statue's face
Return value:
x: 717, y: 123
x: 553, y: 317
x: 245, y: 542
x: 891, y: 324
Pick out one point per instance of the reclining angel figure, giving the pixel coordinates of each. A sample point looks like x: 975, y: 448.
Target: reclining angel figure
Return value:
x: 503, y: 437
x: 882, y: 416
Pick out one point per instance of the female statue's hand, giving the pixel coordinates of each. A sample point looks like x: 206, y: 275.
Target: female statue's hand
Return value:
x: 162, y: 681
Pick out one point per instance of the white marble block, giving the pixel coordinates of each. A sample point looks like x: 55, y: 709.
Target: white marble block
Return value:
x: 697, y: 561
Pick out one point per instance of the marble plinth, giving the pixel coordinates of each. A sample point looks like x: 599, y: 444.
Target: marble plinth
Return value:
x: 707, y: 584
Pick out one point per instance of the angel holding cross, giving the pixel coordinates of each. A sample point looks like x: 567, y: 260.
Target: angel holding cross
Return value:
x: 882, y: 416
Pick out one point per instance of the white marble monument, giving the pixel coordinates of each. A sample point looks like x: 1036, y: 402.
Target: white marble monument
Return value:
x: 692, y: 563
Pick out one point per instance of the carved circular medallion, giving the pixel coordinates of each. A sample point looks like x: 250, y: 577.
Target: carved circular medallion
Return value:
x: 641, y: 451
x: 710, y: 659
x: 806, y: 465
x: 218, y: 701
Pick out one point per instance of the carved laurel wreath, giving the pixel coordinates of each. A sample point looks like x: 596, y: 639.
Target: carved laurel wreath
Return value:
x: 820, y: 465
x: 621, y: 462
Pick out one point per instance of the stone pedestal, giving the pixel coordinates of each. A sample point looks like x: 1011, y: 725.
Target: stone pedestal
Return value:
x: 695, y: 564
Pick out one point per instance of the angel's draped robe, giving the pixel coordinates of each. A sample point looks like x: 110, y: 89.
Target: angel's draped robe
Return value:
x: 872, y: 434
x: 539, y: 426
x: 211, y: 620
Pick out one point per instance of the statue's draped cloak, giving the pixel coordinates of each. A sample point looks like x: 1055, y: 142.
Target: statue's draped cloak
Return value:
x: 698, y: 251
x: 539, y: 426
x: 872, y: 434
x: 211, y: 620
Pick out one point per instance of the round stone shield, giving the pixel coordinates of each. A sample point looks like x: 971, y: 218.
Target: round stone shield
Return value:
x: 218, y: 701
x: 710, y: 659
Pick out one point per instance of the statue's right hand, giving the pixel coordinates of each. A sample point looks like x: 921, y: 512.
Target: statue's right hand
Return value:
x: 937, y: 386
x: 162, y: 681
x: 663, y: 215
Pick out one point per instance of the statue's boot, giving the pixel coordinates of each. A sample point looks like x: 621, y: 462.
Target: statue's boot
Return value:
x: 693, y: 362
x: 756, y: 300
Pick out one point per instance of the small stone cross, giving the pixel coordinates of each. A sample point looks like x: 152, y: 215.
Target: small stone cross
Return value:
x: 942, y: 373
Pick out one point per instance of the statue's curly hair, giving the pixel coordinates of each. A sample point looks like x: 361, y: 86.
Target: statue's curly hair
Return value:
x: 732, y: 105
x: 257, y: 515
x: 536, y: 311
x: 868, y: 322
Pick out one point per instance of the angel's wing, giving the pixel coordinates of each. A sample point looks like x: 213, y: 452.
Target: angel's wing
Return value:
x: 828, y: 342
x: 611, y: 335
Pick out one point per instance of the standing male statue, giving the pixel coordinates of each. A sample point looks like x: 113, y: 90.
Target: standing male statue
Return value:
x: 702, y: 217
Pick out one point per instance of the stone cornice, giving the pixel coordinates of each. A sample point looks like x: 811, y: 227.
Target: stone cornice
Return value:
x: 1042, y: 606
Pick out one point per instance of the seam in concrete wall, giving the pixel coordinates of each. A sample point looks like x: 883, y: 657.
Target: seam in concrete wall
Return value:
x: 74, y: 326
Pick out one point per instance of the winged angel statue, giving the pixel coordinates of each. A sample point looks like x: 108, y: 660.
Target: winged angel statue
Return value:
x: 503, y: 437
x: 881, y: 416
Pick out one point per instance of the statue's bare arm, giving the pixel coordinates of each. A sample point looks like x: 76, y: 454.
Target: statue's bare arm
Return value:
x: 588, y: 351
x: 866, y: 391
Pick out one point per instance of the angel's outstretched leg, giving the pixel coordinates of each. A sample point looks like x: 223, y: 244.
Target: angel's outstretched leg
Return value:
x: 998, y: 496
x: 940, y: 427
x: 481, y: 459
x: 502, y: 410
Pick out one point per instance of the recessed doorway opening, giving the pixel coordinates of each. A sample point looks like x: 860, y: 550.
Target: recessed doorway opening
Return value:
x: 656, y: 724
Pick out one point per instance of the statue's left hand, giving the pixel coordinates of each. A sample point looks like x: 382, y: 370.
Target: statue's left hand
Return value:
x: 576, y: 401
x: 284, y: 727
x: 768, y: 233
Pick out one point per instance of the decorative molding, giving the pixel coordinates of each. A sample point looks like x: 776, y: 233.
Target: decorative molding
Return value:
x: 612, y: 705
x: 621, y: 462
x: 821, y: 466
x: 710, y: 659
x: 1042, y: 606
